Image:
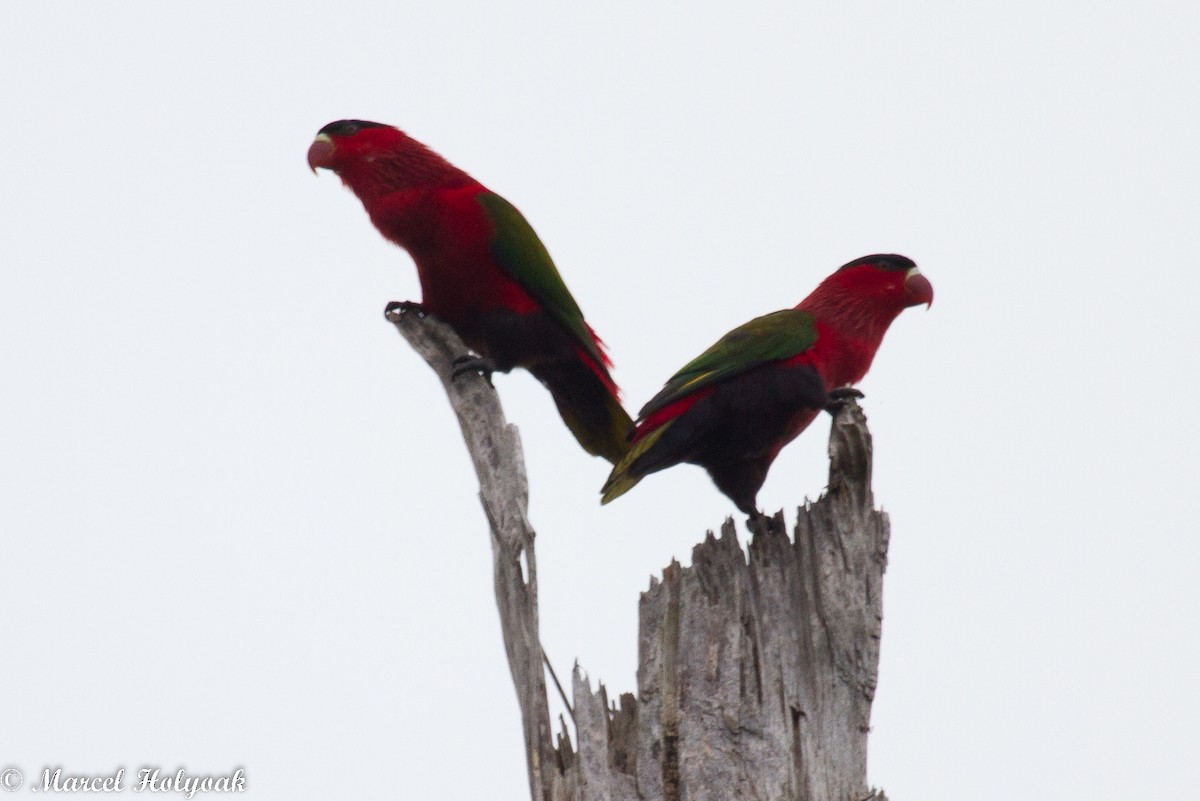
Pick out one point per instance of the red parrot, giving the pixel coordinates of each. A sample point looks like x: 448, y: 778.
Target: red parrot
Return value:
x: 483, y: 270
x: 733, y: 408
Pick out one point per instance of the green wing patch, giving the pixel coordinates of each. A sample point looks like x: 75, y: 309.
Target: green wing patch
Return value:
x: 772, y: 337
x: 525, y: 259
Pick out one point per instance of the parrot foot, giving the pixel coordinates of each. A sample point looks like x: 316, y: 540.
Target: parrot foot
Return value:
x: 474, y: 364
x: 759, y: 523
x: 839, y: 396
x: 393, y: 310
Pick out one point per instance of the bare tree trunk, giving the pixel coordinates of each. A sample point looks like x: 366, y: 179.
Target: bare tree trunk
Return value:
x: 755, y: 677
x: 496, y: 451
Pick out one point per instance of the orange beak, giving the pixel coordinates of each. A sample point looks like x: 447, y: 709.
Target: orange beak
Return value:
x: 918, y: 288
x: 320, y: 153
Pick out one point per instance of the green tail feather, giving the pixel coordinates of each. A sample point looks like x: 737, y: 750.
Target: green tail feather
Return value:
x: 589, y: 409
x: 623, y: 478
x: 610, y: 439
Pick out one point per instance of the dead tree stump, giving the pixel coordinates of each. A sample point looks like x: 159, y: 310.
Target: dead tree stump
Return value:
x: 755, y: 675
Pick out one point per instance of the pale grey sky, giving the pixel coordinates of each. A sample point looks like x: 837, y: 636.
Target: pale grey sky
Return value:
x: 239, y: 524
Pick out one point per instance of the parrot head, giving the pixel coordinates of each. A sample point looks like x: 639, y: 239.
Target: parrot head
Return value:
x: 345, y: 142
x: 887, y: 279
x: 373, y: 159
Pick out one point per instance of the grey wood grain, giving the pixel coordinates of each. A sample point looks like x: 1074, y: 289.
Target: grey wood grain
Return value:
x: 756, y: 668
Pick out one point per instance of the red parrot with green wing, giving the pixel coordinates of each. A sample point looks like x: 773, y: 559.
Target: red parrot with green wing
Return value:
x: 733, y: 408
x: 483, y: 270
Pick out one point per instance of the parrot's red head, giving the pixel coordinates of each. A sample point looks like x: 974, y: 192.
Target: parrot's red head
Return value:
x: 891, y: 281
x: 856, y: 305
x: 865, y: 295
x: 340, y: 144
x: 372, y: 158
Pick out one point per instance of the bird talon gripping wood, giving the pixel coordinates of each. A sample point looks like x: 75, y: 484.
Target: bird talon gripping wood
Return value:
x: 845, y: 393
x: 839, y: 396
x: 400, y: 307
x: 474, y: 364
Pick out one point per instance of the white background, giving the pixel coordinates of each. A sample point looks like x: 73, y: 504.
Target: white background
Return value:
x: 238, y: 526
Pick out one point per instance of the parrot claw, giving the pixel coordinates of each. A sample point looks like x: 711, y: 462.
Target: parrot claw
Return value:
x: 396, y: 308
x: 839, y: 396
x: 474, y: 364
x: 759, y: 523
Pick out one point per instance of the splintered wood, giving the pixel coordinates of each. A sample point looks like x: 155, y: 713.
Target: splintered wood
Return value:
x: 755, y: 674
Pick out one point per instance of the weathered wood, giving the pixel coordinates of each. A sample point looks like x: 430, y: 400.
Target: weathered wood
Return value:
x: 495, y: 448
x: 756, y: 672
